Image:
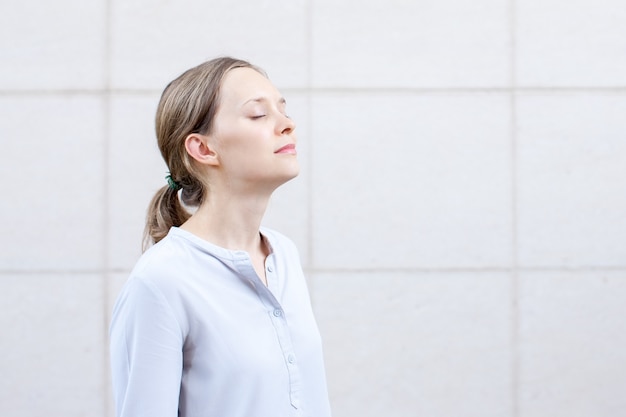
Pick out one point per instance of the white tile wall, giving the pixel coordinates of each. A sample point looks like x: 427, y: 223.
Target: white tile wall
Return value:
x: 572, y: 343
x: 52, y: 345
x: 570, y: 43
x: 136, y: 172
x: 402, y: 180
x: 431, y: 178
x: 398, y: 43
x: 52, y: 45
x: 154, y: 42
x: 415, y: 344
x: 51, y: 167
x: 572, y: 177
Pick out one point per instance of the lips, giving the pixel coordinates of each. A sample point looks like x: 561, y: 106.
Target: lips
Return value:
x: 289, y: 149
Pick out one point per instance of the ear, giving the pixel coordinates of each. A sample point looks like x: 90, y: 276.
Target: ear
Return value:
x: 199, y: 148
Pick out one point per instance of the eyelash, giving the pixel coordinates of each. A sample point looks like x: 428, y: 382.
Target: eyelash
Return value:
x: 263, y: 115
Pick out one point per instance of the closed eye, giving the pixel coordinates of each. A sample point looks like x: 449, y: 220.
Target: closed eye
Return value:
x: 257, y: 117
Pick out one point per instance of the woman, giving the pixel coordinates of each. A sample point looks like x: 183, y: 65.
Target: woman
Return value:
x: 215, y: 319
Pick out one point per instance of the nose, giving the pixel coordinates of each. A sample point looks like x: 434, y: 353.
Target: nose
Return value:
x: 287, y: 125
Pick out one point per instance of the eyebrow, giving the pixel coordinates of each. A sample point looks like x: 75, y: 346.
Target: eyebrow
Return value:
x: 262, y: 99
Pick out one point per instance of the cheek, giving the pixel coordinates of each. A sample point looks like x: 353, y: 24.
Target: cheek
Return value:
x: 245, y: 151
x: 242, y: 140
x: 246, y: 133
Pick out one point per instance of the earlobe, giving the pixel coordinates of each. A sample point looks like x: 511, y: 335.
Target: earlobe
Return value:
x: 198, y: 148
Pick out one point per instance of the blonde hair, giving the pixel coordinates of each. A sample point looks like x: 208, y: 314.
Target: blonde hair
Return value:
x: 188, y: 105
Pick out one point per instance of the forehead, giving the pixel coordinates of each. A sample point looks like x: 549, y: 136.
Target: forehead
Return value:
x: 241, y: 84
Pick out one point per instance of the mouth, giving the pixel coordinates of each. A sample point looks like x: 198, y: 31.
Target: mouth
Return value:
x: 288, y: 149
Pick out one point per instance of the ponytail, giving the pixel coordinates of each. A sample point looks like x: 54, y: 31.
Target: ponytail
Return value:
x: 164, y: 212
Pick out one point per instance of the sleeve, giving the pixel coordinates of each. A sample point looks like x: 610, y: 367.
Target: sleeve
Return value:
x: 146, y: 344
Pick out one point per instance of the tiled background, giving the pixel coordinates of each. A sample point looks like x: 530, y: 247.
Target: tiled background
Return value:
x: 461, y: 212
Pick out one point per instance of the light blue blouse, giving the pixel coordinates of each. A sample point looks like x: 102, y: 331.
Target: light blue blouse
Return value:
x: 196, y: 333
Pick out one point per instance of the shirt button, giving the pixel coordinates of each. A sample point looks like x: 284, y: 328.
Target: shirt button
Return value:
x: 270, y: 269
x: 291, y: 358
x: 277, y: 313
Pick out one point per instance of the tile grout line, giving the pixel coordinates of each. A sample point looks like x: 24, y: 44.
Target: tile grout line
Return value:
x: 514, y: 290
x: 515, y: 284
x: 107, y: 208
x: 352, y: 270
x: 310, y: 159
x: 464, y: 270
x: 309, y: 89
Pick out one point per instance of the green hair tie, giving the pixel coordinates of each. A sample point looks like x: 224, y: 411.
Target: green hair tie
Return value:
x: 171, y: 183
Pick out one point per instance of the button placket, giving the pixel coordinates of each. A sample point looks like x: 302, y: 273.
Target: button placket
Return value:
x: 278, y: 318
x: 279, y: 321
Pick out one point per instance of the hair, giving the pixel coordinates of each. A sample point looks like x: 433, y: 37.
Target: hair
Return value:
x: 188, y: 105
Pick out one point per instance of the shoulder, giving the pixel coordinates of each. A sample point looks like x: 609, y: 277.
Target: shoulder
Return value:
x: 152, y: 288
x: 158, y: 271
x: 174, y: 256
x: 153, y: 270
x: 160, y: 254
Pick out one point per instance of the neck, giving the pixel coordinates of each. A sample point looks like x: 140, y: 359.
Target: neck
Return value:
x: 230, y: 221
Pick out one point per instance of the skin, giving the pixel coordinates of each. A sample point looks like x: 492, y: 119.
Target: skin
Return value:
x: 248, y: 154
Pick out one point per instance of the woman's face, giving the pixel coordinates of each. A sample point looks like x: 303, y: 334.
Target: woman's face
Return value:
x: 252, y: 135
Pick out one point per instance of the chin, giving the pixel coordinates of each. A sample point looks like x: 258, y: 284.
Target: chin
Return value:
x: 287, y: 177
x: 291, y: 176
x: 296, y: 172
x: 291, y: 171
